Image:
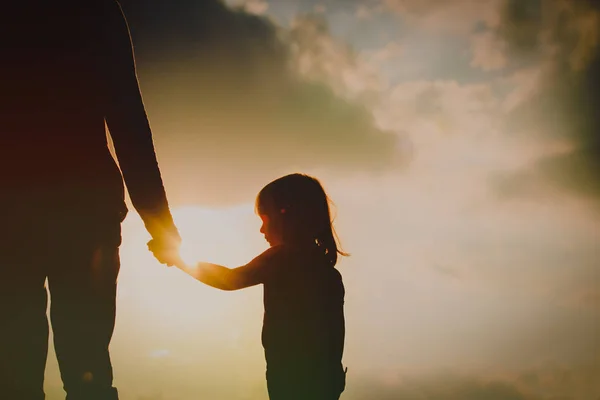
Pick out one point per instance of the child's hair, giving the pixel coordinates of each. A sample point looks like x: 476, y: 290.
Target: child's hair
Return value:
x: 301, y: 204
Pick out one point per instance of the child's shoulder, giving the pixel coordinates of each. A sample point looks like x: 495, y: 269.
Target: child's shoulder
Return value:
x: 274, y: 253
x: 276, y: 250
x: 283, y: 254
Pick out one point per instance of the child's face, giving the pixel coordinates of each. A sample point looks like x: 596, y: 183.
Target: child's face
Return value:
x: 270, y: 229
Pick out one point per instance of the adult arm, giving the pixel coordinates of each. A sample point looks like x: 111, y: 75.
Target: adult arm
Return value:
x: 130, y: 130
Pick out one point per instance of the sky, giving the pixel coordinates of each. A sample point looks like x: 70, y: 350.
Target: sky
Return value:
x: 459, y: 142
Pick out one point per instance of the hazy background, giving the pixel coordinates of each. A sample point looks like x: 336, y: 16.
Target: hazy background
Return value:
x: 459, y: 141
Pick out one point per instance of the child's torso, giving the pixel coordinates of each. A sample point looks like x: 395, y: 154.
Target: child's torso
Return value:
x: 303, y: 321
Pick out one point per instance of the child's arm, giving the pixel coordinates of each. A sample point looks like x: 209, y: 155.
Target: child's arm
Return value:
x: 224, y: 278
x: 218, y: 276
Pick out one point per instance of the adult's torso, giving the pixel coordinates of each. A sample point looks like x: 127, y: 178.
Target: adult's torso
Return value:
x: 52, y: 134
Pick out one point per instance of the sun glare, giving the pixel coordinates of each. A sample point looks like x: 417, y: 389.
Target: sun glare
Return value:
x: 219, y: 236
x: 191, y: 250
x: 167, y: 317
x: 227, y: 237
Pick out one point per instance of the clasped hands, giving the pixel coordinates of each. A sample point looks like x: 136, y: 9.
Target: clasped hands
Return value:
x: 166, y: 250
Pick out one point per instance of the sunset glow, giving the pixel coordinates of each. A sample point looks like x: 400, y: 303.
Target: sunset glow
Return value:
x: 458, y: 142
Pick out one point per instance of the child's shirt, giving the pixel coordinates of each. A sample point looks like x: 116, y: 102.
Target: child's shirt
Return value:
x: 303, y: 327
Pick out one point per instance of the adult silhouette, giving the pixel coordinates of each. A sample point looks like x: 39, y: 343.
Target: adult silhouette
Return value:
x: 67, y: 72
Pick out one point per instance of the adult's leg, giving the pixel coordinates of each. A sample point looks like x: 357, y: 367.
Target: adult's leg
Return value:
x: 23, y: 303
x: 83, y: 283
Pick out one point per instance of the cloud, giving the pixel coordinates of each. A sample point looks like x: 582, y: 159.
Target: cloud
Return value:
x: 488, y: 51
x: 470, y: 20
x: 392, y: 50
x: 562, y: 38
x: 319, y: 57
x: 232, y: 107
x: 320, y: 8
x: 457, y: 17
x: 525, y: 83
x: 257, y: 7
x: 457, y: 134
x: 443, y: 108
x: 364, y: 12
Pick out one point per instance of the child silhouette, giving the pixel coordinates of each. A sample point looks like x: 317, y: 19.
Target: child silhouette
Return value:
x: 303, y: 327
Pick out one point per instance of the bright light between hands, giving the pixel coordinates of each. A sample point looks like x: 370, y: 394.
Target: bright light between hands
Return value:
x: 191, y: 252
x: 227, y: 237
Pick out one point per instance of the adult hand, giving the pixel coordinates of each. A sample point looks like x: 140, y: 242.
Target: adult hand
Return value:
x: 166, y: 250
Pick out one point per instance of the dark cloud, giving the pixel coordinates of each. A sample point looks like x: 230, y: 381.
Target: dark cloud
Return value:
x: 522, y: 23
x: 564, y: 36
x: 230, y: 112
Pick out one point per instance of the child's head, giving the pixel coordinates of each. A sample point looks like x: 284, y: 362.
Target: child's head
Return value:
x: 295, y: 209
